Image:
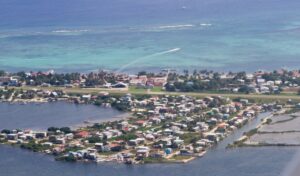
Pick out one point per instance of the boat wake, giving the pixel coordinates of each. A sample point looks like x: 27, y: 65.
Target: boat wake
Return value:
x: 147, y: 57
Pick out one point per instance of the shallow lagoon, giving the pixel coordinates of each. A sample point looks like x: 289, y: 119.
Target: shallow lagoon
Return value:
x: 59, y: 114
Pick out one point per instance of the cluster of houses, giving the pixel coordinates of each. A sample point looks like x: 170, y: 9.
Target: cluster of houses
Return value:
x: 102, y: 79
x: 9, y: 80
x: 257, y: 82
x: 34, y: 95
x: 143, y: 81
x: 161, y: 128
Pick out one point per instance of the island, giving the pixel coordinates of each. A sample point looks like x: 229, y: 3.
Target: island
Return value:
x: 164, y: 124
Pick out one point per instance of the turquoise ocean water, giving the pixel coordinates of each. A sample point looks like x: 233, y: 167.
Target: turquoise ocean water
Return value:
x: 126, y: 35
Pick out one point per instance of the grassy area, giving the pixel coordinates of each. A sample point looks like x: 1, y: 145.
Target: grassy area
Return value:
x: 251, y: 132
x: 190, y: 137
x: 158, y: 91
x: 181, y: 157
x: 134, y: 89
x: 108, y: 153
x: 155, y: 160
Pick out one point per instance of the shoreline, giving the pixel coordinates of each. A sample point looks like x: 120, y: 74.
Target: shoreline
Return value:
x: 83, y: 124
x: 171, y: 161
x: 277, y: 136
x: 153, y: 129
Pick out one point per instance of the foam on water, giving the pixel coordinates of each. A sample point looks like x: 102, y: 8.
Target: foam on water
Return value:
x: 70, y: 31
x: 176, y: 26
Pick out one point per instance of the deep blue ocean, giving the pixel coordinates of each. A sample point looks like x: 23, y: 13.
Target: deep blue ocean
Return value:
x: 130, y: 35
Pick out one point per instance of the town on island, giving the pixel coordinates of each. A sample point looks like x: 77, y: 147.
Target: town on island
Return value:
x: 170, y: 117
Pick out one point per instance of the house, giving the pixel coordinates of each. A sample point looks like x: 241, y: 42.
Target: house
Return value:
x: 168, y: 131
x: 115, y: 147
x: 157, y: 81
x: 86, y: 97
x: 45, y: 85
x: 4, y: 80
x: 12, y: 137
x: 142, y: 80
x: 168, y: 151
x: 142, y: 152
x: 47, y: 144
x: 105, y: 148
x: 60, y: 141
x: 107, y: 134
x: 40, y: 134
x: 3, y: 135
x: 14, y: 81
x: 178, y: 142
x: 244, y: 101
x: 186, y: 152
x: 99, y: 146
x: 264, y: 89
x: 212, y: 137
x: 69, y: 136
x: 120, y: 85
x: 150, y: 137
x: 222, y: 127
x: 141, y: 123
x: 132, y: 142
x: 82, y: 134
x: 260, y: 81
x: 157, y: 154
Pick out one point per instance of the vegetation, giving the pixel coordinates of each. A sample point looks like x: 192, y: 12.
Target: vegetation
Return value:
x: 6, y: 93
x: 126, y: 137
x: 190, y: 138
x: 181, y: 157
x: 6, y: 131
x: 66, y: 158
x: 251, y: 132
x: 65, y: 130
x: 94, y: 139
x: 2, y: 73
x: 150, y: 160
x: 192, y: 83
x: 32, y: 145
x: 268, y: 121
x: 121, y: 106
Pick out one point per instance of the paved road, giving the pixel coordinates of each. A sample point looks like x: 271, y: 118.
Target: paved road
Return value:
x: 141, y: 92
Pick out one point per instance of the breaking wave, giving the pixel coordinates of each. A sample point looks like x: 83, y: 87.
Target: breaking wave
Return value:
x: 101, y: 30
x: 176, y: 26
x: 205, y: 24
x: 70, y: 31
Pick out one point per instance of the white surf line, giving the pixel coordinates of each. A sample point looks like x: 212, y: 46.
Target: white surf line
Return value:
x: 146, y: 57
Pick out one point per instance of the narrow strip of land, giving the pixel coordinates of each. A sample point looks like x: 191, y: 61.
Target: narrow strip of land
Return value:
x: 149, y: 92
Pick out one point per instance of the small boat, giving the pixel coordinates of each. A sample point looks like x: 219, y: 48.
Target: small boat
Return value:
x: 86, y: 121
x: 128, y: 161
x: 100, y: 160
